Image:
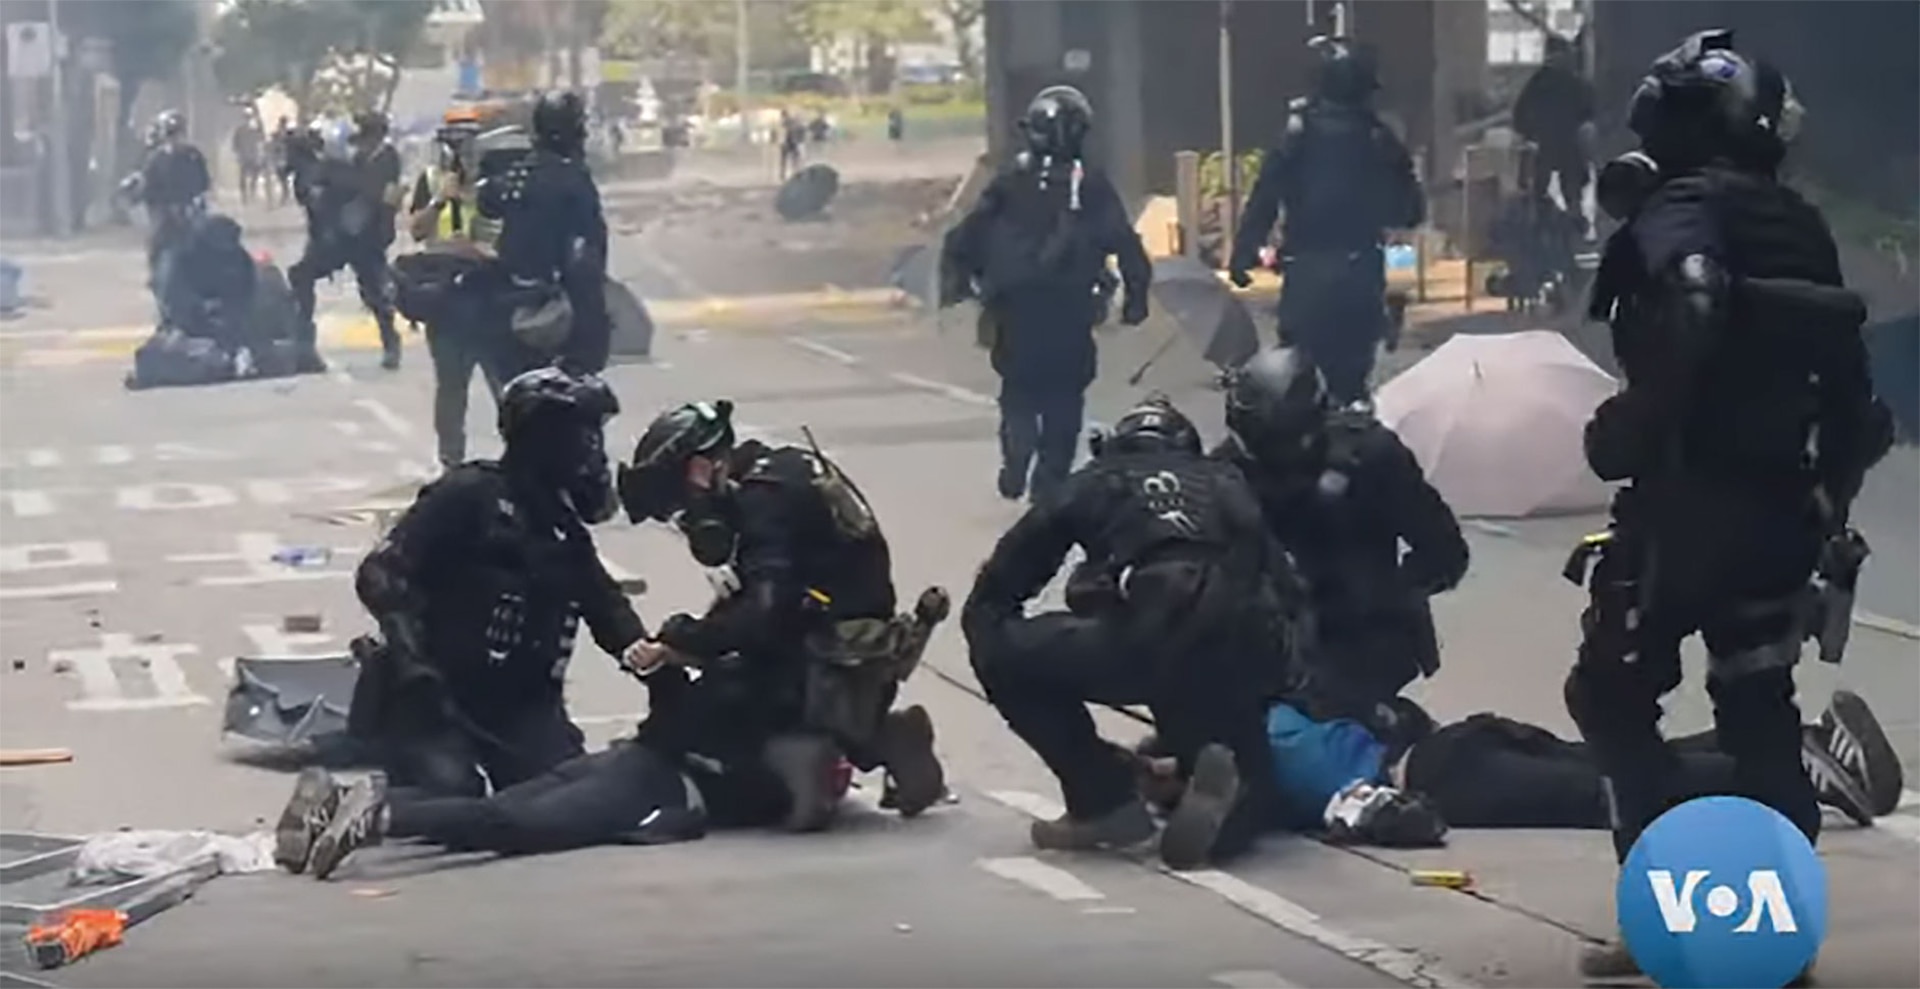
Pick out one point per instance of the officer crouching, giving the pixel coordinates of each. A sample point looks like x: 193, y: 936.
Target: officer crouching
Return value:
x: 1035, y: 249
x: 805, y: 638
x: 1173, y: 608
x: 1741, y: 352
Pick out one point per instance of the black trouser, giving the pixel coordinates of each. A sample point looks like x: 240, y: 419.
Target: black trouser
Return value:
x: 1039, y: 432
x: 1043, y: 670
x: 722, y: 722
x: 322, y: 258
x: 587, y: 800
x: 473, y: 335
x: 440, y: 756
x: 1727, y: 561
x: 1333, y: 308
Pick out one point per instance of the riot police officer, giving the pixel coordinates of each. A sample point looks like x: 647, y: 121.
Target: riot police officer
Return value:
x: 173, y: 185
x: 1741, y: 351
x: 807, y: 632
x: 1344, y: 180
x: 1174, y: 608
x: 1342, y: 495
x: 351, y: 209
x: 479, y: 590
x: 1034, y: 250
x: 553, y: 238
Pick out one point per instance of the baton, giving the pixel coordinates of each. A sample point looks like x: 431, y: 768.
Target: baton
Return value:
x: 1165, y: 345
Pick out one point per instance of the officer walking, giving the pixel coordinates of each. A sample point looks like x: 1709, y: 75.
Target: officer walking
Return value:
x: 553, y: 237
x: 1554, y: 112
x: 351, y: 210
x: 1174, y: 609
x: 1741, y: 351
x: 809, y: 633
x: 1034, y: 250
x: 173, y: 186
x: 1342, y: 495
x: 1344, y: 179
x: 479, y: 590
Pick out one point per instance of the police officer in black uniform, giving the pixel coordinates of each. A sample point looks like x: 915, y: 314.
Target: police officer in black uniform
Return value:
x: 351, y: 209
x: 479, y: 590
x: 801, y: 634
x: 1745, y: 430
x: 173, y: 187
x: 1344, y: 180
x: 553, y: 235
x: 1342, y: 494
x: 1174, y: 608
x: 1034, y: 249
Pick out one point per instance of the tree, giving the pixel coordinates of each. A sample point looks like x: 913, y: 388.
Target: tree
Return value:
x: 666, y: 28
x: 879, y: 24
x: 377, y: 34
x: 149, y: 40
x: 357, y: 44
x: 962, y: 16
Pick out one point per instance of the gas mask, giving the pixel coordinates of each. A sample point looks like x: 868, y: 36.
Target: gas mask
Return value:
x: 589, y: 484
x: 708, y: 524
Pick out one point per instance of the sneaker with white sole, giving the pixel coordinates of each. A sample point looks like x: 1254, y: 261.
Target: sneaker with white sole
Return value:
x: 360, y: 822
x: 1856, y: 740
x: 1833, y: 783
x: 316, y: 796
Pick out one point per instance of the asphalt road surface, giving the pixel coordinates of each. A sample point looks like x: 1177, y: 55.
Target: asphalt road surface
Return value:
x: 137, y: 532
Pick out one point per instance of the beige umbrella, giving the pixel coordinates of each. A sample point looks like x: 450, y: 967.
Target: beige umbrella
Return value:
x: 1496, y: 422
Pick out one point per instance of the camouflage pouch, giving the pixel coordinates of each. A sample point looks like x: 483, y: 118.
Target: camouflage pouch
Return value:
x: 855, y: 668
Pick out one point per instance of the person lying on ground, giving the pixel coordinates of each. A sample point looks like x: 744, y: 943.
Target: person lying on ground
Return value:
x: 1344, y: 778
x: 210, y: 285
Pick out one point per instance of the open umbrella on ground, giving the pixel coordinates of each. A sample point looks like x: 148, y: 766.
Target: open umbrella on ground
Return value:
x: 1497, y: 422
x: 1206, y: 310
x: 807, y: 192
x: 629, y: 321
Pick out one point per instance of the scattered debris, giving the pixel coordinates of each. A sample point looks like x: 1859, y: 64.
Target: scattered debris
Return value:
x: 373, y: 893
x: 34, y: 757
x: 307, y: 624
x: 1442, y: 878
x: 300, y: 557
x: 903, y: 928
x: 19, y: 665
x: 62, y: 666
x: 151, y: 637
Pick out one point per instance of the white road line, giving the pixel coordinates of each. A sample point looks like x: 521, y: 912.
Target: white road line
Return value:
x: 1905, y: 819
x: 386, y: 416
x: 955, y: 392
x: 827, y: 351
x: 1251, y: 980
x: 347, y: 427
x: 1891, y: 626
x: 1037, y: 875
x: 84, y: 589
x: 379, y: 446
x: 1281, y: 912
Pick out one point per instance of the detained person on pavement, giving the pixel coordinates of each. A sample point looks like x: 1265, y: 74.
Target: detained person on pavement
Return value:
x: 1173, y: 608
x: 479, y: 590
x: 805, y: 644
x: 1034, y: 249
x: 173, y: 185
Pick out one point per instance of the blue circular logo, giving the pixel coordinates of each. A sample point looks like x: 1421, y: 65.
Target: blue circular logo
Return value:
x: 1722, y: 893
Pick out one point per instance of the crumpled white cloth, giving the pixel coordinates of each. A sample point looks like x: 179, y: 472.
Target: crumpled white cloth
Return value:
x: 118, y: 856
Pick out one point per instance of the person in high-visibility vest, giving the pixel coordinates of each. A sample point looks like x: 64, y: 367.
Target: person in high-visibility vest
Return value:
x: 442, y: 217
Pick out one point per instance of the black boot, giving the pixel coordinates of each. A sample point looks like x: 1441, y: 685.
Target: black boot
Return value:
x: 915, y: 778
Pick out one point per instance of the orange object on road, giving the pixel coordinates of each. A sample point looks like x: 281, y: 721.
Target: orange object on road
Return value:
x: 34, y: 757
x: 76, y: 935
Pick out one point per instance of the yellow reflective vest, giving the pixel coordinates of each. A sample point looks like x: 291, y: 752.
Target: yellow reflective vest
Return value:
x: 459, y: 219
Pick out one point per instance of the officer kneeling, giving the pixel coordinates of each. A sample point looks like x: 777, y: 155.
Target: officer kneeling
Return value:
x: 1173, y: 608
x: 479, y: 590
x: 807, y: 646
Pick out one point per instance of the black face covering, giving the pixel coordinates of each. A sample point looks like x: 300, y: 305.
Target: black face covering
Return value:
x: 707, y: 522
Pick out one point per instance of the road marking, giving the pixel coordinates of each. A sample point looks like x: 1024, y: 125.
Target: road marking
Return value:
x: 1035, y: 874
x: 955, y: 392
x: 282, y: 492
x: 1905, y: 819
x: 169, y: 496
x: 386, y: 416
x: 255, y: 554
x: 1891, y: 626
x: 347, y: 427
x: 102, y: 687
x: 92, y: 588
x: 1251, y: 980
x: 29, y: 504
x: 1279, y: 911
x: 827, y: 351
x: 379, y: 446
x: 51, y: 556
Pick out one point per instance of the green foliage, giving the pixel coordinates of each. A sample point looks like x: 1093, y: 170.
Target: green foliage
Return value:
x: 819, y: 21
x: 663, y: 28
x: 149, y: 37
x: 1213, y: 177
x: 961, y: 17
x: 262, y: 44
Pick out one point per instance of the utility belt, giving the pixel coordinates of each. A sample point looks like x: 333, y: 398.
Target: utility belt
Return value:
x: 854, y: 666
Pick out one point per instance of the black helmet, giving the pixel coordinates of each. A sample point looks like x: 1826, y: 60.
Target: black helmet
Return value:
x: 1153, y: 426
x: 1276, y: 402
x: 1057, y: 121
x: 1345, y: 73
x: 553, y: 421
x: 653, y: 486
x: 1703, y: 100
x: 560, y: 122
x: 169, y: 124
x: 370, y: 125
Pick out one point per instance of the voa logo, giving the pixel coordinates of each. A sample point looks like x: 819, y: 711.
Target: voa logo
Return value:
x: 1765, y: 894
x: 1722, y: 892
